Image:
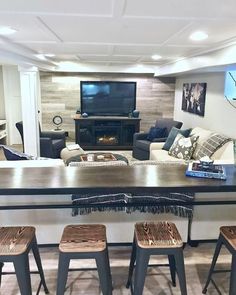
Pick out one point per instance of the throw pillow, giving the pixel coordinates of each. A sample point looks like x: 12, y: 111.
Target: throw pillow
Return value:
x: 211, y: 145
x: 13, y: 155
x: 183, y: 147
x: 156, y: 132
x: 203, y: 134
x: 172, y: 135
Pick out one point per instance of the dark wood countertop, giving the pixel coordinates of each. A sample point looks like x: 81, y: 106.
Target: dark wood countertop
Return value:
x: 138, y: 179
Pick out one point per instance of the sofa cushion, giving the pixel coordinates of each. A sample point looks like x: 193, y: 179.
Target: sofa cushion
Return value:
x: 172, y: 135
x: 156, y: 132
x: 183, y: 147
x: 163, y: 156
x: 211, y: 145
x: 12, y: 154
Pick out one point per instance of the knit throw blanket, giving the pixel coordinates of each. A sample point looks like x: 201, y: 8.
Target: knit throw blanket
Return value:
x: 155, y: 203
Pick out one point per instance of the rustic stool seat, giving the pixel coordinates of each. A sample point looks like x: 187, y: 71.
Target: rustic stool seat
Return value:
x: 227, y: 237
x: 156, y: 238
x: 83, y: 238
x: 15, y: 240
x: 82, y: 242
x: 15, y: 244
x: 229, y: 233
x: 160, y: 234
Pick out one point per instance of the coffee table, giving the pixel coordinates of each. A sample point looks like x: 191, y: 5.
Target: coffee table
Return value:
x: 97, y: 157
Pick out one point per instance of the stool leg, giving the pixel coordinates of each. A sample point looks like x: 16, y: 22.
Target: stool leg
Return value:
x: 1, y: 266
x: 39, y: 264
x: 232, y: 288
x: 104, y: 272
x: 21, y: 264
x: 63, y: 267
x: 214, y: 259
x: 171, y: 259
x: 131, y: 265
x: 142, y: 260
x: 179, y: 260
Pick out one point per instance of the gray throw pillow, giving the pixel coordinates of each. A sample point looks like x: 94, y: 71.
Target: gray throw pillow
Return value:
x: 172, y: 135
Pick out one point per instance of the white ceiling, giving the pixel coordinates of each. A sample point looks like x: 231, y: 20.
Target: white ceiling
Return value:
x: 119, y: 35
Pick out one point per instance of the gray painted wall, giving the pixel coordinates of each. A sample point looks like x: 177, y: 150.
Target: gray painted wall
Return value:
x: 60, y: 94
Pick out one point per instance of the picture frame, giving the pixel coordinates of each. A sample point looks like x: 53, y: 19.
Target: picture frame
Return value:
x: 194, y: 97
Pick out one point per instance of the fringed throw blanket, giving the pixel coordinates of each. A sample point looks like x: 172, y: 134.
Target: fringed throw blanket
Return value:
x: 179, y: 204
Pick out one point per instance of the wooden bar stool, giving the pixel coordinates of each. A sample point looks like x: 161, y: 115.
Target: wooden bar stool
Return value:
x: 227, y: 238
x: 83, y: 242
x: 15, y: 244
x: 156, y: 238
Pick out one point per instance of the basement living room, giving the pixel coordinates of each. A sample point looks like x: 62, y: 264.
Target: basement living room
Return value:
x: 46, y: 76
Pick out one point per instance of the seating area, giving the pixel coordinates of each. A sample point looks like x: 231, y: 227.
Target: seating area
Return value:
x: 117, y: 147
x: 216, y: 146
x: 157, y: 133
x: 152, y: 241
x: 152, y: 248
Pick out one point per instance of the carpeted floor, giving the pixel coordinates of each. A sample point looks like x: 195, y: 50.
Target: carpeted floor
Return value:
x: 197, y: 262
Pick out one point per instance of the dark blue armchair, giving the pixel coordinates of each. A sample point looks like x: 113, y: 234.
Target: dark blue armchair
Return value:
x: 141, y: 144
x: 51, y: 142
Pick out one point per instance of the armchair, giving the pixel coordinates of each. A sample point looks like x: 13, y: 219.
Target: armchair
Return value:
x: 141, y: 144
x: 51, y: 142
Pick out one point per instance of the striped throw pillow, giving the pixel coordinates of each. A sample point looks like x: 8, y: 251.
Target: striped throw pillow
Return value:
x: 211, y: 145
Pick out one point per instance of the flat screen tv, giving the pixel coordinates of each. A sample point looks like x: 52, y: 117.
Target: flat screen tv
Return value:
x: 107, y: 98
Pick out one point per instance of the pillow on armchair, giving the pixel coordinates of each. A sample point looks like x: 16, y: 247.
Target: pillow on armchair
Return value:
x: 156, y: 132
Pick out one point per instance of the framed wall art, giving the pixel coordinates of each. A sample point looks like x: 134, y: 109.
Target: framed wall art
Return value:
x: 193, y: 98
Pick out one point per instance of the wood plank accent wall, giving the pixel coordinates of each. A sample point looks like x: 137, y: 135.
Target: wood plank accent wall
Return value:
x: 60, y: 94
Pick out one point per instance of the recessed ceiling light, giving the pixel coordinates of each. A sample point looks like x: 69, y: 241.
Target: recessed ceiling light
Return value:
x: 156, y: 56
x: 49, y: 54
x: 40, y: 56
x: 7, y: 31
x: 198, y: 36
x: 139, y: 65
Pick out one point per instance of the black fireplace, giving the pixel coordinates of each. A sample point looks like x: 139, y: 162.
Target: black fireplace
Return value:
x: 106, y: 132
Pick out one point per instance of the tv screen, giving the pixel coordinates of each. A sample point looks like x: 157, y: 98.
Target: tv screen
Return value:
x: 99, y: 98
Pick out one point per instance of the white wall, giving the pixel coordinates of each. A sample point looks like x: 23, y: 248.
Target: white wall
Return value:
x: 219, y: 116
x: 12, y: 95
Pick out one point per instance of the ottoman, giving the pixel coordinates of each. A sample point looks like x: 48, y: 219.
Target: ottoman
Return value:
x: 67, y: 154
